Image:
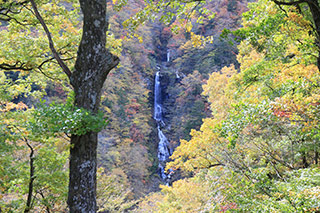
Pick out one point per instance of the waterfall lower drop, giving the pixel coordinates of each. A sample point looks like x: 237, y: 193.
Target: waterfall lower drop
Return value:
x: 168, y: 55
x: 163, y: 147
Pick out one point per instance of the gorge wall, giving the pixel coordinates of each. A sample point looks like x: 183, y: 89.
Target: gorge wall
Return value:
x: 128, y: 147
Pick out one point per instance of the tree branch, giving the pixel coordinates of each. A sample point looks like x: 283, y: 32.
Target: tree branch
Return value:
x: 6, y: 9
x: 64, y: 67
x: 296, y: 3
x: 17, y: 66
x: 32, y: 177
x: 290, y: 3
x: 214, y: 165
x: 190, y: 1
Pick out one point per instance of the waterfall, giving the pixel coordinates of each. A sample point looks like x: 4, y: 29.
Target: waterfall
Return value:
x: 157, y: 99
x: 163, y: 146
x: 168, y: 55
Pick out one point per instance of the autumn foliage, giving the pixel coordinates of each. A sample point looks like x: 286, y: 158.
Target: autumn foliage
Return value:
x: 259, y: 151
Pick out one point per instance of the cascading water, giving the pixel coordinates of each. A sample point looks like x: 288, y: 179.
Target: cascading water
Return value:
x: 168, y: 55
x: 163, y: 147
x: 157, y: 99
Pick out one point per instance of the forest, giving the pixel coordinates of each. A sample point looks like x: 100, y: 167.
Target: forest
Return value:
x: 159, y: 106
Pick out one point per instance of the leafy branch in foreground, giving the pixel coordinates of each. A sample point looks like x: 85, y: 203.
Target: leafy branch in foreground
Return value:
x: 67, y: 118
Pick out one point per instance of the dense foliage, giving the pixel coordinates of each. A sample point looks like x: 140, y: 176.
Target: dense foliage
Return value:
x: 244, y: 120
x: 191, y: 62
x: 259, y: 152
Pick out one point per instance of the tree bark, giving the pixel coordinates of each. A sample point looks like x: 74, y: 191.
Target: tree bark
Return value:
x: 93, y: 64
x: 315, y: 11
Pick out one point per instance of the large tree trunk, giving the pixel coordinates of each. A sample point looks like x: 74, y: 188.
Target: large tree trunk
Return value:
x: 93, y: 64
x: 315, y: 11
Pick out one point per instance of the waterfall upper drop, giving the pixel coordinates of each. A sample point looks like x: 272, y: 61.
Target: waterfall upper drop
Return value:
x: 163, y: 147
x: 157, y: 98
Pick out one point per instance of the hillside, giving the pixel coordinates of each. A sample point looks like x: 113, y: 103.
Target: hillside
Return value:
x: 213, y: 107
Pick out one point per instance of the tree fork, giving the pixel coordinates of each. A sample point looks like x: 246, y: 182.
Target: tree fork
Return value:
x: 93, y: 64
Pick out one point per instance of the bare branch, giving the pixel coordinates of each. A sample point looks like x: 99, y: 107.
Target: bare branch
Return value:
x: 64, y: 67
x: 215, y: 165
x: 5, y: 10
x: 17, y: 66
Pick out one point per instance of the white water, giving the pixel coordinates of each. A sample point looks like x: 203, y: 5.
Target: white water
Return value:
x: 157, y: 99
x: 168, y: 55
x: 177, y: 74
x: 163, y: 146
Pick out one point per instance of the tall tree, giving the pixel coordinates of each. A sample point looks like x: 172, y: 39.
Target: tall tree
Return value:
x: 93, y: 63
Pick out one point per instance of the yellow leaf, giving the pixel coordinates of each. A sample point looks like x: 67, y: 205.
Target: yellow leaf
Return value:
x: 188, y: 27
